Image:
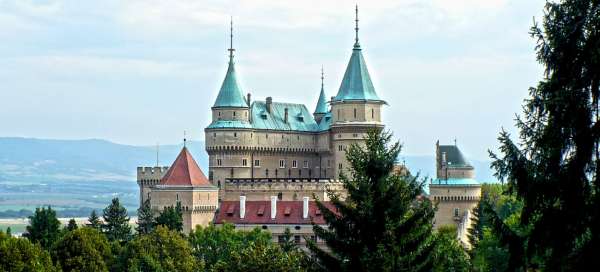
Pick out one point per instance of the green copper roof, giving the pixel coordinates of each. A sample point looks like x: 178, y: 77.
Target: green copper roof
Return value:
x: 299, y: 118
x: 321, y: 103
x: 356, y: 84
x: 325, y: 123
x: 454, y: 157
x: 229, y: 124
x: 230, y: 94
x: 455, y: 181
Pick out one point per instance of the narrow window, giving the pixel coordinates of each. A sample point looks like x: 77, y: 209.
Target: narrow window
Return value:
x: 305, y: 164
x: 297, y: 239
x: 257, y: 163
x: 354, y: 113
x: 456, y: 211
x: 294, y: 164
x: 267, y: 173
x: 244, y: 162
x: 235, y: 134
x: 340, y: 148
x: 234, y: 114
x: 340, y: 166
x: 281, y: 163
x: 219, y: 162
x: 372, y: 114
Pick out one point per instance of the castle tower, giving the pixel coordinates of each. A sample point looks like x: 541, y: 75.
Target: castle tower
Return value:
x: 356, y: 108
x: 185, y: 183
x: 455, y: 190
x: 321, y: 108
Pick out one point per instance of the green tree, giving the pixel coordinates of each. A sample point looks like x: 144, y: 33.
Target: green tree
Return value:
x: 555, y: 167
x: 160, y: 250
x: 8, y: 231
x: 171, y: 217
x: 116, y: 222
x: 94, y: 221
x: 213, y: 244
x: 384, y: 224
x: 84, y: 249
x: 18, y: 254
x: 262, y: 257
x: 72, y: 225
x: 450, y: 256
x: 145, y: 222
x: 288, y: 243
x: 43, y: 228
x: 474, y: 232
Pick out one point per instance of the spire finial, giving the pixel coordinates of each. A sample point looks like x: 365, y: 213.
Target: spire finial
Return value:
x: 356, y: 44
x: 231, y: 39
x: 322, y: 76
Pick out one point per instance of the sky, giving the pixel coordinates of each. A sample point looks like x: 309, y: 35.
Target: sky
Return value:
x: 141, y: 72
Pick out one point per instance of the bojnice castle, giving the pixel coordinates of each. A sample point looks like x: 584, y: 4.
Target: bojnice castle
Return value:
x: 268, y: 159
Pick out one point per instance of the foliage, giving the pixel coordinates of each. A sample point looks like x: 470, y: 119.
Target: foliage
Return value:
x: 160, y: 250
x: 262, y: 257
x: 288, y: 244
x: 212, y: 244
x: 449, y: 254
x: 84, y: 249
x: 43, y: 228
x: 116, y: 222
x: 94, y: 221
x: 489, y: 255
x: 384, y: 224
x: 18, y: 254
x: 171, y: 217
x: 555, y: 168
x: 72, y: 225
x: 145, y: 222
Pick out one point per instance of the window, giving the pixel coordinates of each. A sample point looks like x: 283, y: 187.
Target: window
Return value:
x: 219, y: 162
x: 372, y: 113
x: 340, y: 166
x: 256, y: 163
x: 266, y: 136
x: 354, y: 113
x: 235, y: 134
x: 299, y: 172
x: 219, y: 114
x: 281, y: 239
x: 276, y: 172
x: 234, y: 114
x: 177, y: 197
x: 267, y: 172
x: 340, y: 148
x: 210, y: 175
x: 214, y: 134
x: 297, y: 239
x: 305, y: 164
x: 355, y: 135
x: 281, y: 163
x: 294, y: 164
x: 339, y: 117
x: 244, y: 162
x: 251, y: 135
x: 456, y: 212
x: 231, y: 173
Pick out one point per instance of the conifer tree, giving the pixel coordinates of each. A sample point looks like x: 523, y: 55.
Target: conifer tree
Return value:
x: 384, y: 224
x: 475, y: 231
x: 171, y: 217
x: 288, y: 243
x: 8, y: 232
x: 555, y: 167
x: 94, y: 221
x: 145, y: 222
x: 44, y: 227
x: 72, y: 225
x: 116, y: 222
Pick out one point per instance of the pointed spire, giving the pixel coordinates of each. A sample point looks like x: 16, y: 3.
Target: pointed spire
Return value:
x: 230, y: 94
x: 356, y: 44
x: 357, y: 84
x: 184, y: 171
x: 322, y: 102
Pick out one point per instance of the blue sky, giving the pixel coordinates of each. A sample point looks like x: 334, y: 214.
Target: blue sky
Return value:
x: 143, y: 71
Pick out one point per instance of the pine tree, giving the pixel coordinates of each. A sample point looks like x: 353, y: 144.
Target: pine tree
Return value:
x: 171, y: 217
x: 288, y: 243
x: 384, y: 224
x: 72, y: 225
x: 44, y: 227
x: 555, y: 167
x: 475, y: 231
x: 94, y: 221
x: 116, y: 222
x: 8, y: 232
x: 145, y: 222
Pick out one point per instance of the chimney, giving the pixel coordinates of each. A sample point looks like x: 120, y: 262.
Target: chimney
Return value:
x: 273, y: 207
x: 248, y: 99
x: 269, y: 104
x: 285, y: 118
x: 242, y: 206
x: 305, y: 207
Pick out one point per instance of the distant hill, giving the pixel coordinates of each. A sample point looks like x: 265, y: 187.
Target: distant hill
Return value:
x: 75, y: 176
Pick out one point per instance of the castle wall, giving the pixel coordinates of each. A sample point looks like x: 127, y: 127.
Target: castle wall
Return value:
x: 148, y: 177
x: 198, y: 204
x: 238, y: 114
x: 287, y: 189
x: 455, y: 204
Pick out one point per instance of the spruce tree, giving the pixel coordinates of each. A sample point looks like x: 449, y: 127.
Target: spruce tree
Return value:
x: 554, y: 168
x: 72, y: 225
x: 288, y: 244
x: 171, y: 217
x: 43, y: 228
x: 94, y: 221
x: 384, y: 223
x: 145, y: 222
x: 116, y: 222
x: 475, y: 231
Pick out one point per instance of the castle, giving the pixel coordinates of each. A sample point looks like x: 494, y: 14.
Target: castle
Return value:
x: 268, y: 159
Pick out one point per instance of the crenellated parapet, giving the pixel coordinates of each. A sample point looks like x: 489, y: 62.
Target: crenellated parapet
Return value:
x: 151, y: 174
x: 286, y: 189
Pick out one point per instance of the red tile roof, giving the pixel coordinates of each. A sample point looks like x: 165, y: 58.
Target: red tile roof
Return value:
x: 184, y: 171
x: 259, y: 212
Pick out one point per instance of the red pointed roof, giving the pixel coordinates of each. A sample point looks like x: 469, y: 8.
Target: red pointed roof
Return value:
x: 184, y: 171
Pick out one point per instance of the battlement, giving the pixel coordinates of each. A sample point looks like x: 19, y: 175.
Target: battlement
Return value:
x: 151, y: 173
x: 280, y: 180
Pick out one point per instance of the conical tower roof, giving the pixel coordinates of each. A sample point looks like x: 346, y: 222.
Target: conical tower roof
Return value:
x: 356, y: 84
x: 322, y: 102
x: 230, y: 94
x: 184, y: 171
